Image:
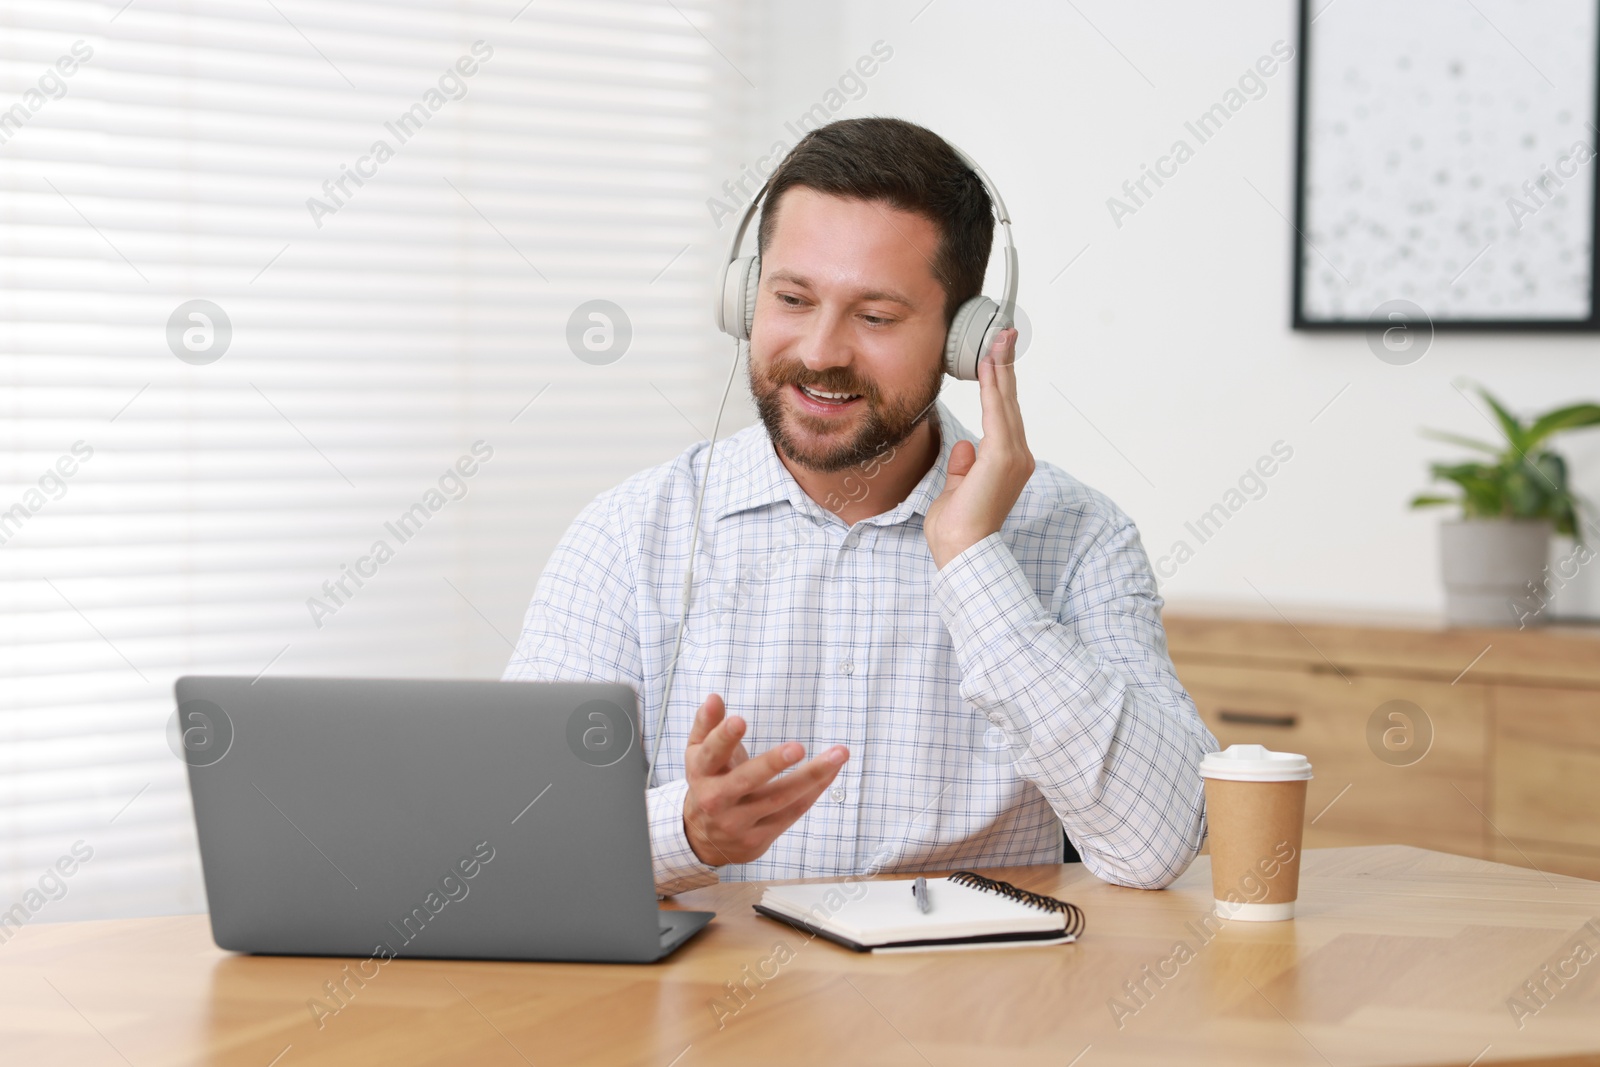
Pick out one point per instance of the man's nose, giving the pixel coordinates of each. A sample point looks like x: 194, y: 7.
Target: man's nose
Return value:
x: 827, y: 342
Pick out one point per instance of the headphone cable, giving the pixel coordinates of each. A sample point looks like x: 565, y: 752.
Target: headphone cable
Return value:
x: 688, y: 574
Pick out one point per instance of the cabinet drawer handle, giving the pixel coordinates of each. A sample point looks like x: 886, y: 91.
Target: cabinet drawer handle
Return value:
x: 1255, y: 718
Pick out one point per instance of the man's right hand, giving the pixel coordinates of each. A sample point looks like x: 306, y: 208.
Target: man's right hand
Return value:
x: 736, y: 805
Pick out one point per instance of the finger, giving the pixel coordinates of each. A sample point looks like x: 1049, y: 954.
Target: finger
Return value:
x: 988, y: 393
x: 708, y: 715
x: 810, y: 776
x: 757, y: 771
x: 1007, y: 377
x: 784, y: 817
x: 962, y: 456
x: 1002, y: 414
x: 714, y: 754
x: 1004, y: 350
x: 1005, y: 363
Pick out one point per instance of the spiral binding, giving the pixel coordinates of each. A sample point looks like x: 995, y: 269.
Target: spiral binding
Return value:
x: 1074, y: 914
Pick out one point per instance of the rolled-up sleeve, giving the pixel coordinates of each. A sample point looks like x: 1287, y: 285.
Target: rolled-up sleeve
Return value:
x: 1101, y: 724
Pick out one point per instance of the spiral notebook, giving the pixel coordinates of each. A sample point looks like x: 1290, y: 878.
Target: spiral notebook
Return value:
x: 967, y: 911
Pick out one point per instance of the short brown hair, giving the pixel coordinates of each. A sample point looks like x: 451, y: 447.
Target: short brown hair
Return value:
x: 909, y: 167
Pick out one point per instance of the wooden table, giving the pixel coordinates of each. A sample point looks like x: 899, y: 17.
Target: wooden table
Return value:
x: 1399, y: 955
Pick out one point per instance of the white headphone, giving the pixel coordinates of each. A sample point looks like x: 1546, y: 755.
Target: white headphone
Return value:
x: 972, y: 331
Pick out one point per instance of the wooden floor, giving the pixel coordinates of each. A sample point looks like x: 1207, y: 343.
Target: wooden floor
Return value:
x: 1398, y: 956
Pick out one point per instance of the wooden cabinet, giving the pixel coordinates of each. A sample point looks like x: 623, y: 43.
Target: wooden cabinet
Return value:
x: 1544, y: 778
x: 1430, y: 796
x: 1484, y: 743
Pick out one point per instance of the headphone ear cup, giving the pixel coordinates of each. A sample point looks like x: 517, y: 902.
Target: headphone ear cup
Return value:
x: 752, y: 282
x: 970, y: 333
x: 736, y: 297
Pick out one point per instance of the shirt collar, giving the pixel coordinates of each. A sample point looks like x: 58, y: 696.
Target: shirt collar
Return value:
x: 750, y: 475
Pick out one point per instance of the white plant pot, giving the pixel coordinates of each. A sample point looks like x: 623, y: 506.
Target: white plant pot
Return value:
x: 1572, y: 582
x: 1491, y: 569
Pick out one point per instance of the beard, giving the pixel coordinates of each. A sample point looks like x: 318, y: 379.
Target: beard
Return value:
x: 886, y: 425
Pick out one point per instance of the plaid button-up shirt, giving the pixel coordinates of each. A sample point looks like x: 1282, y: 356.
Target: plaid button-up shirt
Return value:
x: 1024, y: 689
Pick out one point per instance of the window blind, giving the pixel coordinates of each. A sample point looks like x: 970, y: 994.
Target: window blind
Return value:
x: 285, y: 281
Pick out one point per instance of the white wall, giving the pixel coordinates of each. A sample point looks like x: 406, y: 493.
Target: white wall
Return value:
x: 1170, y: 334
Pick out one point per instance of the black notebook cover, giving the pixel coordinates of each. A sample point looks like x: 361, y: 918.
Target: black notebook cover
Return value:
x: 856, y: 946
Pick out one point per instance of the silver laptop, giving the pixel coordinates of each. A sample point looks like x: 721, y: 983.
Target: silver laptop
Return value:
x: 440, y: 819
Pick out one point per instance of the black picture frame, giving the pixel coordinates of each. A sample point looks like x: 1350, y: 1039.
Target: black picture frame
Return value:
x: 1301, y: 244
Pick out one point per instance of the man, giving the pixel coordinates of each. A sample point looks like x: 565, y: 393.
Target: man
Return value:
x: 969, y: 641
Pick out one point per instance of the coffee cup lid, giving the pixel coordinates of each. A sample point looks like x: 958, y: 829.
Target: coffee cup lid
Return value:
x: 1255, y: 763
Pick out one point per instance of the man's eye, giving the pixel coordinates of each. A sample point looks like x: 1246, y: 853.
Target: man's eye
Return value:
x: 876, y: 320
x: 789, y: 299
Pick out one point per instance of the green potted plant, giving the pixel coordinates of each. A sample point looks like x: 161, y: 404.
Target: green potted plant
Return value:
x: 1511, y: 502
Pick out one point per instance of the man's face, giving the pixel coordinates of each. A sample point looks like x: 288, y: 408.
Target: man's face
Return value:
x: 848, y: 304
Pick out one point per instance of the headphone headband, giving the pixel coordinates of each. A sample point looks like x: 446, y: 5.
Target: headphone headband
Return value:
x: 1008, y: 295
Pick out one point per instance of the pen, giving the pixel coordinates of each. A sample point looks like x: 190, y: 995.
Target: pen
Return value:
x: 919, y: 889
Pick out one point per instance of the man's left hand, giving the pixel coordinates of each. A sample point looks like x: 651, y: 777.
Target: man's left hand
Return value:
x: 983, y: 486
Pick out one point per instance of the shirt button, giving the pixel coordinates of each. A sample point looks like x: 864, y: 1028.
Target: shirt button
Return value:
x: 837, y: 793
x: 847, y: 668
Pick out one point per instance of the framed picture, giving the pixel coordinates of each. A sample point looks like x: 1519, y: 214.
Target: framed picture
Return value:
x: 1446, y: 164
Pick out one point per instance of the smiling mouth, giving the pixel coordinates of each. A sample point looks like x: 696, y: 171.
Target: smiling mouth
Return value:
x: 827, y: 399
